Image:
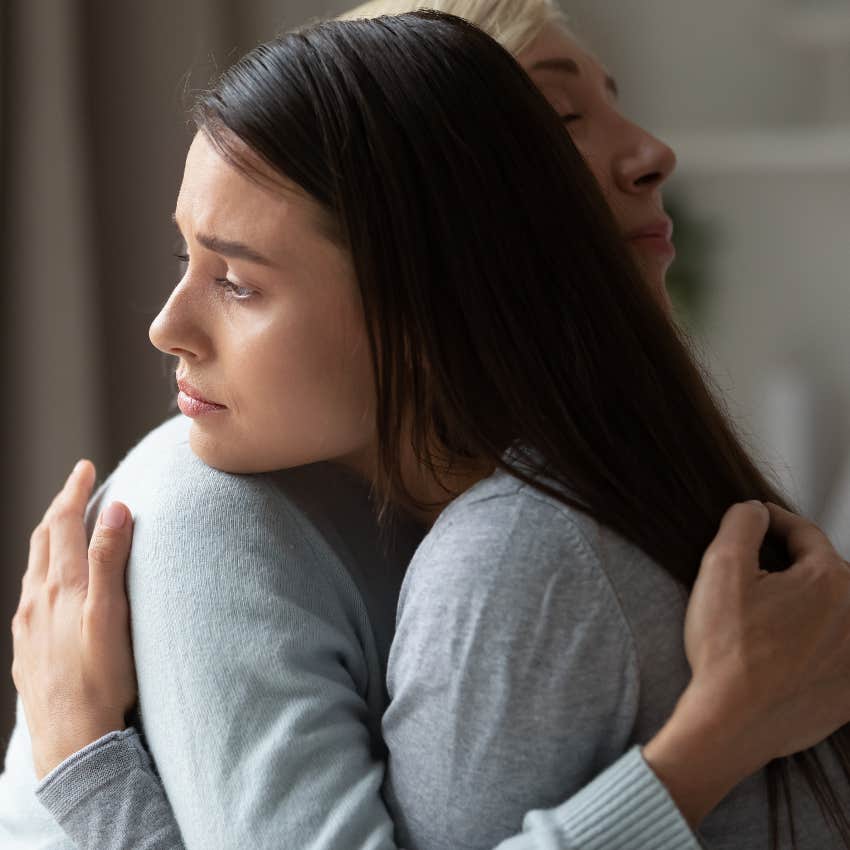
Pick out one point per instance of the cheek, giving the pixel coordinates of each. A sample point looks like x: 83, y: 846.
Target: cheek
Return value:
x: 600, y: 163
x: 305, y: 386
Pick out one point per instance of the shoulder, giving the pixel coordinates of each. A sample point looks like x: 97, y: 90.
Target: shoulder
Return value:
x: 218, y: 533
x: 168, y: 487
x: 505, y: 530
x: 161, y: 473
x: 508, y: 566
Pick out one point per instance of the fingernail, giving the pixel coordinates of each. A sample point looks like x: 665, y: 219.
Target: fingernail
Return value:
x: 114, y: 516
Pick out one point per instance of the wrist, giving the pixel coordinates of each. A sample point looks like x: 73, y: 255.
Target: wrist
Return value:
x: 48, y: 757
x: 702, y: 753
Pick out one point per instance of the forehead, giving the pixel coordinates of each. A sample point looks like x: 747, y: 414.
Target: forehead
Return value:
x: 553, y: 45
x: 215, y: 192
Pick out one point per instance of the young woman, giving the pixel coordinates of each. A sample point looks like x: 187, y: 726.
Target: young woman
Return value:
x: 518, y: 365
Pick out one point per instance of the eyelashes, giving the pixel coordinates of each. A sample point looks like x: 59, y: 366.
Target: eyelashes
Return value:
x: 232, y: 290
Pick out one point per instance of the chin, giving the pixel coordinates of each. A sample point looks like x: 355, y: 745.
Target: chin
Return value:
x: 224, y: 457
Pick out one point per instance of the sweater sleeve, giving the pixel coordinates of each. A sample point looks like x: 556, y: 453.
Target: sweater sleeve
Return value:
x: 513, y: 687
x: 624, y: 807
x: 109, y: 797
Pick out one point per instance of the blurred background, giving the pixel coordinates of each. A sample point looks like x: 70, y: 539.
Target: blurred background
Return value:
x: 754, y: 95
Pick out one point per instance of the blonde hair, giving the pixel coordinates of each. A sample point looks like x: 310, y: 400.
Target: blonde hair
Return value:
x: 513, y: 23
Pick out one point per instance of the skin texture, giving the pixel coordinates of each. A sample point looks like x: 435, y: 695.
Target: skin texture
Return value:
x: 629, y: 163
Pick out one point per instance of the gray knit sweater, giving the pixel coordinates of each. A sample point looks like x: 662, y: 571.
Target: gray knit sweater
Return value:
x: 535, y: 651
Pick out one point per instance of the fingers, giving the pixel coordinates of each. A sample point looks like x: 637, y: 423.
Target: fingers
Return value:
x: 108, y: 553
x: 39, y: 554
x: 70, y: 501
x: 66, y: 522
x: 739, y: 537
x: 75, y: 492
x: 802, y: 538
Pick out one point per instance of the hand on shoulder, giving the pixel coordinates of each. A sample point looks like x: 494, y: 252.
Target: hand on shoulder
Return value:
x: 769, y: 654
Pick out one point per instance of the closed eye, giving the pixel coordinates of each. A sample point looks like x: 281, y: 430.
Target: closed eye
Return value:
x: 570, y: 117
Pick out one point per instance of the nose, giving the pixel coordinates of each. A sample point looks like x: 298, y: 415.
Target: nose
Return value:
x: 644, y: 163
x: 176, y: 329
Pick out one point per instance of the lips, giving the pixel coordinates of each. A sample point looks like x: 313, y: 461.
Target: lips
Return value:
x: 192, y: 404
x: 660, y: 229
x: 655, y: 240
x: 187, y: 389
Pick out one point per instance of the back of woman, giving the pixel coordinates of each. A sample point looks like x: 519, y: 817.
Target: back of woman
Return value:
x: 534, y: 647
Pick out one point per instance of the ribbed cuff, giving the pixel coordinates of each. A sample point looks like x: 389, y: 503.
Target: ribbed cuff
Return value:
x: 626, y: 806
x: 89, y: 769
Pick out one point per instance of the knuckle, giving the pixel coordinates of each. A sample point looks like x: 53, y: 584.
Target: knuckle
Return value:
x: 102, y: 550
x: 39, y: 533
x: 23, y: 616
x: 825, y: 576
x: 62, y: 514
x: 721, y: 556
x: 52, y: 590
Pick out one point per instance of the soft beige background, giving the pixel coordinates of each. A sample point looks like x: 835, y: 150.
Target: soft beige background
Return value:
x: 92, y: 139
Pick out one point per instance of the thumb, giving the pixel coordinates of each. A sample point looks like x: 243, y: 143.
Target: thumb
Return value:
x: 109, y: 550
x: 739, y: 538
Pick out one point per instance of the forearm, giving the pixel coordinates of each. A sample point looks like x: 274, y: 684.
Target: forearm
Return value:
x: 701, y: 754
x: 624, y: 807
x: 107, y: 796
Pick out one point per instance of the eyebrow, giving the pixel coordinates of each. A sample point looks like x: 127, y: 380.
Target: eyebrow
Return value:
x: 570, y: 66
x: 227, y: 248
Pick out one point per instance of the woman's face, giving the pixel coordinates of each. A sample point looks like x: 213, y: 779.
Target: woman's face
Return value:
x: 630, y: 165
x: 267, y: 323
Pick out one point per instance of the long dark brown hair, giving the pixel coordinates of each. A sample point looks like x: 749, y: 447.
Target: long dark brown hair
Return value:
x: 502, y: 305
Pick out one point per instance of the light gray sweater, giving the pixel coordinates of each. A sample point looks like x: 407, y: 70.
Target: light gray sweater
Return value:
x: 535, y: 651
